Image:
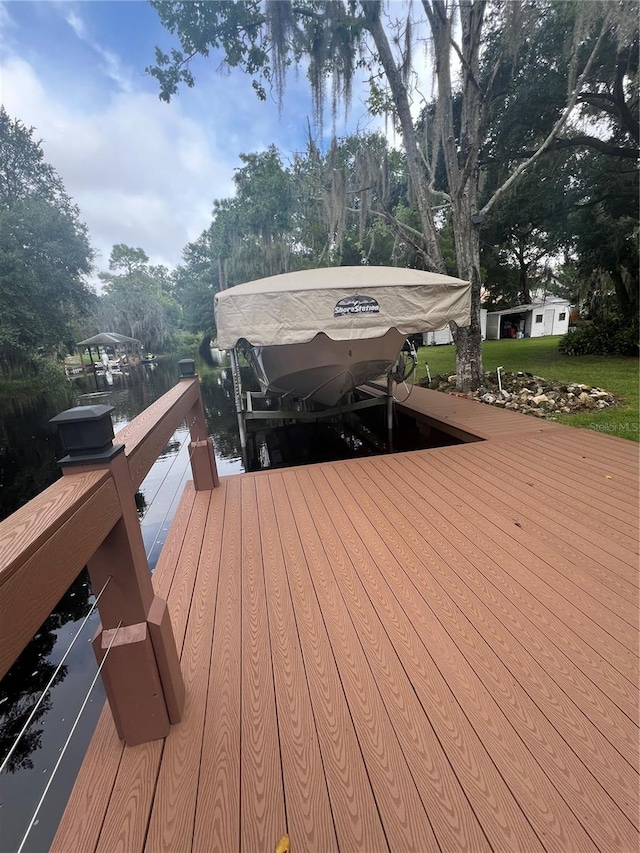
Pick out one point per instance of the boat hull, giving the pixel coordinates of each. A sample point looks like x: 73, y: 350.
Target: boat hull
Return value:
x: 325, y: 370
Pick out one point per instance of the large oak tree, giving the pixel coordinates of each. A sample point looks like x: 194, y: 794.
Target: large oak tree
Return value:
x: 335, y: 38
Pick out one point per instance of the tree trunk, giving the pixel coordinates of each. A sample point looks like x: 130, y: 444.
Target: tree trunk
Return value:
x: 462, y: 166
x: 468, y: 339
x: 626, y: 297
x: 401, y: 100
x: 524, y: 296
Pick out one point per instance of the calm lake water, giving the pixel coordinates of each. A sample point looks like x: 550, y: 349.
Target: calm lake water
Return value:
x: 28, y: 452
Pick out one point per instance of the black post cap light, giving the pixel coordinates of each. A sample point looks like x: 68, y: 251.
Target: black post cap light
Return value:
x: 187, y: 368
x: 86, y: 433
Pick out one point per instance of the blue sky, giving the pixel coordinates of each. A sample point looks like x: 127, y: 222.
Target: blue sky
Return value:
x: 142, y: 172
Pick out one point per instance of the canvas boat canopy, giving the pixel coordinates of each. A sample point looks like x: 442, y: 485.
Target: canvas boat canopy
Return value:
x: 344, y: 303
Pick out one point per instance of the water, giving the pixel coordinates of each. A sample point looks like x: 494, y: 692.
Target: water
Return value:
x: 28, y: 452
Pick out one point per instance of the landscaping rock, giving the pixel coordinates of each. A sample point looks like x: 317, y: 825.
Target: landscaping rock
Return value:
x: 532, y: 395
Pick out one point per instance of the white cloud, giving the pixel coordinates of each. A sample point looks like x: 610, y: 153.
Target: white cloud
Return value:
x: 76, y: 23
x: 6, y: 21
x: 141, y: 171
x: 111, y: 65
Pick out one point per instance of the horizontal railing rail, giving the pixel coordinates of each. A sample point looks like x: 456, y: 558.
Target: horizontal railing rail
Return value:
x: 147, y: 434
x: 43, y: 548
x: 89, y: 518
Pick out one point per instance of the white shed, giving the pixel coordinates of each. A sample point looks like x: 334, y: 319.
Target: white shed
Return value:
x: 549, y: 316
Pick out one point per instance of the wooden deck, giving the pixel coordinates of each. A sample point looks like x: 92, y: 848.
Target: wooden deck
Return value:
x: 464, y: 419
x: 428, y: 651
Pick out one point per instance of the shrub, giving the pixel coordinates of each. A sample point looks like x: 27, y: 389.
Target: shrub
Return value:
x: 613, y: 336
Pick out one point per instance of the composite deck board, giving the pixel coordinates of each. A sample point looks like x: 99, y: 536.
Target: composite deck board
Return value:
x: 578, y: 565
x: 577, y: 511
x: 549, y: 585
x: 572, y: 474
x: 455, y: 537
x: 357, y: 819
x: 573, y: 779
x: 173, y: 813
x: 433, y: 650
x: 471, y: 417
x: 308, y: 808
x: 218, y: 817
x: 410, y: 540
x: 405, y: 821
x: 474, y: 582
x: 424, y: 716
x: 586, y: 530
x: 547, y: 812
x: 262, y: 795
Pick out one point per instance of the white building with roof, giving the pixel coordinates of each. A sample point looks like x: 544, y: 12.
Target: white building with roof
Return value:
x: 543, y: 316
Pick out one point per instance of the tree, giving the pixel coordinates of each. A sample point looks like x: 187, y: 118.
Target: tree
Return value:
x: 137, y: 299
x: 44, y: 251
x: 336, y: 37
x: 195, y: 282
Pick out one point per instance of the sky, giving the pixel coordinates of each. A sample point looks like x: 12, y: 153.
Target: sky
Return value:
x: 142, y: 172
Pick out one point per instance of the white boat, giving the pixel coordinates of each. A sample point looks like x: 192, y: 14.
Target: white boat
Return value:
x: 318, y: 334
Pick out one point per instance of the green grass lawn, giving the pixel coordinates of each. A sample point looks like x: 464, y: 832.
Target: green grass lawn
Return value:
x: 541, y: 357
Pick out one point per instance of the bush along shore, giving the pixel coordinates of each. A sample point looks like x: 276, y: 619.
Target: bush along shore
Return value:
x: 532, y: 395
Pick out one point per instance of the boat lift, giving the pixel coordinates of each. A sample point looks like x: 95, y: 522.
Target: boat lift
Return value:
x: 300, y: 410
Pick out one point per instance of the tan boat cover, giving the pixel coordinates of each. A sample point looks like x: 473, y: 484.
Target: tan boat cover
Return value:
x: 346, y: 303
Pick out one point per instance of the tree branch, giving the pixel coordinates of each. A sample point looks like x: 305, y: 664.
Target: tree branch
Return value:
x: 556, y: 128
x: 465, y: 65
x: 405, y: 231
x: 600, y: 145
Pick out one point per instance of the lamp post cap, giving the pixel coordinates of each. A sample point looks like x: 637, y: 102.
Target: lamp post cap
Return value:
x: 187, y: 368
x: 82, y: 413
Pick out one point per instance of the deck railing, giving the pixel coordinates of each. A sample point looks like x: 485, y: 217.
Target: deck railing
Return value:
x: 89, y: 517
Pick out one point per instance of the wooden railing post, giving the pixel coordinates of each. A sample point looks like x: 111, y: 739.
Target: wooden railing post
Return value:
x: 142, y: 674
x: 203, y: 459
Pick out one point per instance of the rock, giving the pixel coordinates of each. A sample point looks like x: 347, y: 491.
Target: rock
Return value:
x: 529, y: 394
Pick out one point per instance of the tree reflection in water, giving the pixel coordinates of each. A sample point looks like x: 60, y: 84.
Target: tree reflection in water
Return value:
x: 22, y: 685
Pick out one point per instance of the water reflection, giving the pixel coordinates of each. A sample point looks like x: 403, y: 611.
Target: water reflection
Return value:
x: 28, y: 677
